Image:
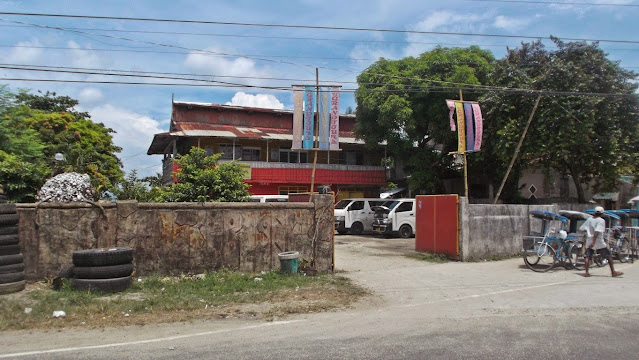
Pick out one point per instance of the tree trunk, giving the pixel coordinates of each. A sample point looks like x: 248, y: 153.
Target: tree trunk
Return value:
x: 581, y: 197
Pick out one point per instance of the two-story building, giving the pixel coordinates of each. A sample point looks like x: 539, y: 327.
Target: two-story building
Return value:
x: 261, y: 140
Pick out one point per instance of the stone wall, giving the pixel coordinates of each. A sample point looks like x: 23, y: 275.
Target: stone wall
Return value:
x: 178, y: 238
x: 487, y: 231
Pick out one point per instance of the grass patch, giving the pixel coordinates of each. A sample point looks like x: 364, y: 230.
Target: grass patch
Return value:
x: 429, y: 257
x: 156, y: 299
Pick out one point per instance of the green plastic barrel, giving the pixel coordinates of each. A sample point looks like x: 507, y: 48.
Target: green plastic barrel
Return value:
x: 288, y: 261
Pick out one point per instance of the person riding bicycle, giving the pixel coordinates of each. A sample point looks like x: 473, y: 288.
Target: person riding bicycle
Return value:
x: 594, y: 229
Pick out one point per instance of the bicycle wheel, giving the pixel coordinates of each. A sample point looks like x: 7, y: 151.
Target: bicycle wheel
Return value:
x: 541, y: 258
x: 564, y: 256
x: 600, y: 261
x: 623, y: 250
x: 576, y: 256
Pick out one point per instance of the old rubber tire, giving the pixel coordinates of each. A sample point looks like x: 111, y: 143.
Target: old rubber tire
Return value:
x: 13, y: 268
x: 405, y: 231
x: 104, y: 285
x: 8, y: 209
x: 9, y: 250
x: 357, y: 228
x: 9, y: 239
x: 102, y: 257
x: 12, y: 287
x: 102, y: 272
x: 11, y: 277
x: 8, y: 219
x: 11, y: 259
x: 8, y: 230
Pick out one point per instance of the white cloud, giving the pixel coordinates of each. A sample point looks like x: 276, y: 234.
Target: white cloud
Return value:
x: 90, y: 96
x: 134, y: 133
x: 510, y: 23
x: 84, y: 58
x: 24, y: 52
x: 260, y: 101
x: 212, y: 64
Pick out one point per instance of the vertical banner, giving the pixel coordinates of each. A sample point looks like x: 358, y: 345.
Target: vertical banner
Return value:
x: 324, y: 118
x: 451, y: 110
x: 298, y: 114
x: 470, y: 134
x: 479, y: 126
x: 461, y: 127
x: 334, y: 129
x: 309, y: 115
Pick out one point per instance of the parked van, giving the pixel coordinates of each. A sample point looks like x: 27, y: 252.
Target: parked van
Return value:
x: 395, y: 217
x: 355, y: 215
x: 268, y: 198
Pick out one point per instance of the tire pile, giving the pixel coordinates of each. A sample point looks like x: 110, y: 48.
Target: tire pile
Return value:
x: 11, y: 260
x: 106, y: 270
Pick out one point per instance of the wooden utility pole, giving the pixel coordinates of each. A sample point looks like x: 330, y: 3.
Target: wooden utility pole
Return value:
x: 521, y: 141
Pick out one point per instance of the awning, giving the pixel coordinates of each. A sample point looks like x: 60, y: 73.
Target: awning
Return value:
x: 390, y: 193
x: 612, y: 196
x: 633, y: 200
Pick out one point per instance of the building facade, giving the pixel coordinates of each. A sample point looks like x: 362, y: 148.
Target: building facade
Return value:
x: 260, y: 139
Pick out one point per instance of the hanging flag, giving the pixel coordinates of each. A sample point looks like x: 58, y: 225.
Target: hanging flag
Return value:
x: 461, y: 133
x: 451, y: 108
x: 309, y: 115
x: 334, y: 126
x: 470, y: 134
x: 334, y: 132
x: 298, y: 114
x: 479, y: 126
x: 324, y: 118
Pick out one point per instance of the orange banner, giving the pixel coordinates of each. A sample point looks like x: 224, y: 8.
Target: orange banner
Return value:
x: 461, y: 127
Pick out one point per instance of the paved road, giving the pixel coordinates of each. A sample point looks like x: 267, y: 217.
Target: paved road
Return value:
x: 481, y: 310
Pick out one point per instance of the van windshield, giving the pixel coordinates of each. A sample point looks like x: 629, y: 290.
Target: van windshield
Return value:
x: 391, y: 204
x: 342, y: 204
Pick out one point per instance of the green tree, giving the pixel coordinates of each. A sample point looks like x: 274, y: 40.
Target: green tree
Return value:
x: 402, y: 102
x: 35, y: 136
x: 132, y: 188
x: 201, y: 178
x: 586, y: 123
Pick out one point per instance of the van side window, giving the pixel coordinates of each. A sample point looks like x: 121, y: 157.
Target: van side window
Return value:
x: 407, y: 206
x: 357, y: 205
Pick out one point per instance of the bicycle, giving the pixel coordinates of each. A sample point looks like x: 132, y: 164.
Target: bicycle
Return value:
x: 619, y: 245
x: 552, y: 249
x: 577, y: 254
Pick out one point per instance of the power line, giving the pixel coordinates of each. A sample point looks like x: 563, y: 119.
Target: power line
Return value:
x: 557, y: 3
x: 311, y: 27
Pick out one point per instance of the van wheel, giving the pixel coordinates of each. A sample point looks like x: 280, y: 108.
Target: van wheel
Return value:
x: 357, y: 228
x: 342, y: 232
x: 405, y: 231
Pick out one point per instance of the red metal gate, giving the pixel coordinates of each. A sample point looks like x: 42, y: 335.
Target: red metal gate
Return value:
x: 437, y: 223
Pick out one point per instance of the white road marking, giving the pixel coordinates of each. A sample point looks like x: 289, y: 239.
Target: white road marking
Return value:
x: 53, y: 351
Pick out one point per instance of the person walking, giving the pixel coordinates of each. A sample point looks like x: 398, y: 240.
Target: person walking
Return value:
x: 594, y: 228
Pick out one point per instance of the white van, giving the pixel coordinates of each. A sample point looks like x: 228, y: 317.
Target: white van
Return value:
x: 355, y: 215
x: 268, y: 198
x: 395, y: 217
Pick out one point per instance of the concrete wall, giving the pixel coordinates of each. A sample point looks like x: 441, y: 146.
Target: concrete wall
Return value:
x: 175, y: 238
x: 487, y: 231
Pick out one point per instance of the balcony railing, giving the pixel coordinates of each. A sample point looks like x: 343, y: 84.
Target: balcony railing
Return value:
x: 280, y: 165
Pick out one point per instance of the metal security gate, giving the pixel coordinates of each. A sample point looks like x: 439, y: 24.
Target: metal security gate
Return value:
x: 437, y: 224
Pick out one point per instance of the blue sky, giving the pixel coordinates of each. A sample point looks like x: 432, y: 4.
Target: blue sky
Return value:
x: 259, y: 56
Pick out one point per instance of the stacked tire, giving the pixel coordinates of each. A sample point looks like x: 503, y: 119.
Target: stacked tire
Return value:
x: 11, y: 259
x: 105, y: 270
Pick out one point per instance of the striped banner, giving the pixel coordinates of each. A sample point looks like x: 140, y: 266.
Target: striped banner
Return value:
x: 309, y: 115
x: 470, y: 134
x: 461, y: 127
x: 324, y: 118
x: 334, y: 127
x: 451, y: 111
x: 479, y: 126
x: 298, y: 115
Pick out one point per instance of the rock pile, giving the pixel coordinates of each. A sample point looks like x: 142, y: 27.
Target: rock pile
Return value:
x: 67, y: 187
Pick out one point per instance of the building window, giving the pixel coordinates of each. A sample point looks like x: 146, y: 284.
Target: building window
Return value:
x: 293, y: 156
x: 227, y: 151
x: 285, y: 190
x: 250, y: 154
x: 209, y: 150
x: 351, y: 157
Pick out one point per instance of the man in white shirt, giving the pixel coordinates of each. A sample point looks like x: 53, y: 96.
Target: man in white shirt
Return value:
x: 594, y: 228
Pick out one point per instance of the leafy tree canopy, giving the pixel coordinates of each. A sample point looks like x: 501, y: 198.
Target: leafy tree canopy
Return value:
x: 201, y: 178
x: 34, y: 136
x: 592, y: 136
x: 402, y: 102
